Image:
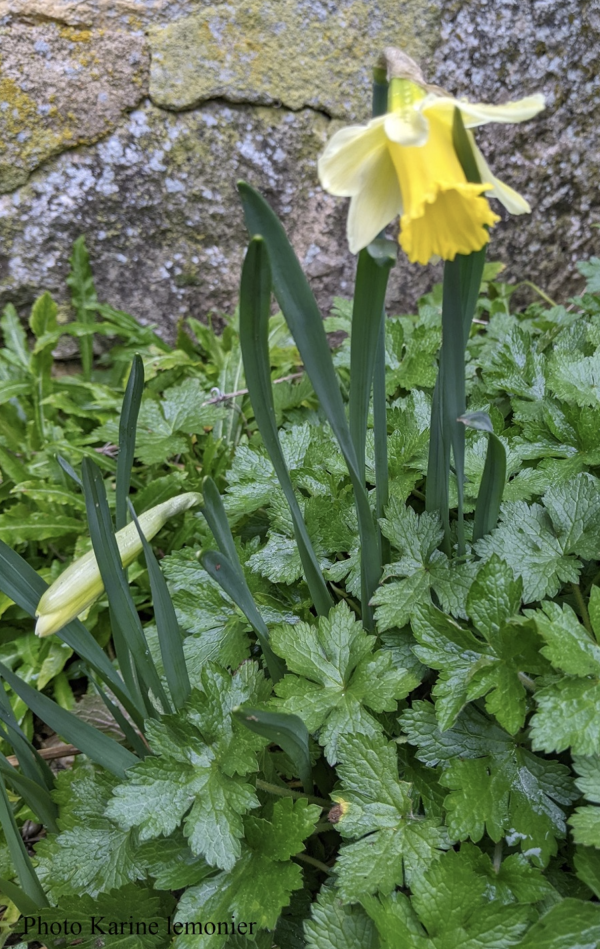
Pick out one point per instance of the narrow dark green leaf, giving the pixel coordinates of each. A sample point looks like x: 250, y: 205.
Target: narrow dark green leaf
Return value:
x: 255, y: 306
x: 379, y: 104
x: 140, y: 748
x: 216, y: 518
x: 127, y: 429
x: 93, y: 743
x: 302, y: 315
x: 123, y: 613
x: 493, y: 479
x: 83, y: 297
x: 222, y: 570
x: 287, y: 731
x: 374, y: 263
x: 35, y: 795
x: 22, y: 584
x: 69, y: 470
x: 25, y: 873
x: 25, y: 905
x: 453, y: 379
x: 462, y: 280
x: 30, y: 761
x: 463, y: 149
x: 382, y: 477
x: 380, y: 88
x: 169, y: 634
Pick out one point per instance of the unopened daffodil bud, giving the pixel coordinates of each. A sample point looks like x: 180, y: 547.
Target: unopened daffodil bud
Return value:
x: 404, y: 163
x: 80, y: 584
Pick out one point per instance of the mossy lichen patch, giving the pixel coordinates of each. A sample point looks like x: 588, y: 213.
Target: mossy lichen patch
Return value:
x: 296, y: 54
x: 62, y: 86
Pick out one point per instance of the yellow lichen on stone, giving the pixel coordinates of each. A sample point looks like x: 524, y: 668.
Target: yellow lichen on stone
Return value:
x: 75, y: 35
x: 61, y: 86
x: 265, y: 51
x: 20, y: 123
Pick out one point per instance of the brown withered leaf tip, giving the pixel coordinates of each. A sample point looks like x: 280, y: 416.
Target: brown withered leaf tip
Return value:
x: 335, y: 814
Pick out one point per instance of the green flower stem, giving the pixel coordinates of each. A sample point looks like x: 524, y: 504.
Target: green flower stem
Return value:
x: 497, y: 860
x: 379, y: 107
x: 304, y: 857
x: 285, y: 792
x: 526, y: 681
x: 582, y: 608
x: 323, y: 828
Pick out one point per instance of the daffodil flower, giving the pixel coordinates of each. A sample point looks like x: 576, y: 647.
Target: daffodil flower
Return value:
x: 81, y: 583
x: 404, y: 163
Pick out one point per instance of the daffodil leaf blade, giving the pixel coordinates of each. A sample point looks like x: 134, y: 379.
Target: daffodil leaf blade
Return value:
x: 287, y: 731
x: 127, y: 431
x: 255, y: 300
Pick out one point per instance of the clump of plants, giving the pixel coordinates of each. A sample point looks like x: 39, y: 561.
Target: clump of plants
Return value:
x: 364, y: 709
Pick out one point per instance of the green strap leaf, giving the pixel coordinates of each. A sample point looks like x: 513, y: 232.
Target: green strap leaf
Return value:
x: 222, y: 570
x: 382, y: 475
x: 69, y: 470
x: 493, y: 479
x: 374, y: 263
x: 127, y: 429
x: 228, y: 572
x: 302, y: 315
x: 34, y: 794
x: 169, y: 634
x: 25, y: 905
x: 93, y: 743
x: 133, y: 737
x: 31, y: 762
x: 255, y: 305
x: 130, y: 641
x: 214, y: 513
x: 462, y: 280
x: 287, y: 731
x: 26, y: 874
x: 379, y: 107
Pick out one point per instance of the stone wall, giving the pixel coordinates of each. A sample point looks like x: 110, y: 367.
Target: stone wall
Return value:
x: 130, y: 121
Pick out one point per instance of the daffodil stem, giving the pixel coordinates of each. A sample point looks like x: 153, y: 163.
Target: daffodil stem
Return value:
x: 582, y: 608
x: 380, y: 436
x: 285, y: 792
x: 305, y: 858
x: 380, y: 97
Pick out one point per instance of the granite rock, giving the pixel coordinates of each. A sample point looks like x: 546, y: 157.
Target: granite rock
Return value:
x: 253, y: 89
x: 61, y: 87
x: 131, y: 15
x: 294, y: 54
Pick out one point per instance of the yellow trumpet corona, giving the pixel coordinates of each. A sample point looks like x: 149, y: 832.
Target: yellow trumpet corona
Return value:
x: 81, y: 583
x: 404, y: 163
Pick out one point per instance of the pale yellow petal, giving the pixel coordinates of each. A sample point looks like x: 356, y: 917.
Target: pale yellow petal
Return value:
x: 511, y: 199
x: 377, y: 204
x: 348, y: 156
x: 409, y: 127
x: 478, y: 113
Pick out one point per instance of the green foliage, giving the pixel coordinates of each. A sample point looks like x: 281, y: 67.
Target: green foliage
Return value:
x: 432, y: 782
x: 337, y: 677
